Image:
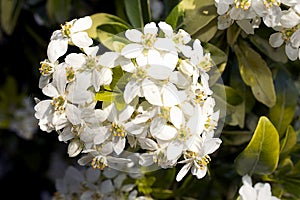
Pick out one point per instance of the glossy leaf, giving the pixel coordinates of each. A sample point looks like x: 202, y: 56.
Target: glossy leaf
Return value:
x: 288, y: 142
x: 9, y: 12
x: 111, y: 35
x: 283, y: 112
x: 262, y: 153
x: 256, y: 74
x: 206, y: 33
x: 203, y: 11
x: 276, y: 54
x: 138, y: 12
x: 58, y: 10
x: 104, y: 18
x: 177, y: 13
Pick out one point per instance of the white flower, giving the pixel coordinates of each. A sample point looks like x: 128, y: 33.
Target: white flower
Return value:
x: 140, y: 40
x: 289, y: 18
x: 196, y: 157
x: 260, y: 191
x: 146, y: 77
x: 56, y: 113
x: 71, y: 32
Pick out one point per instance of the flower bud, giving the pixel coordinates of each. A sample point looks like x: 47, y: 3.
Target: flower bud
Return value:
x: 74, y: 148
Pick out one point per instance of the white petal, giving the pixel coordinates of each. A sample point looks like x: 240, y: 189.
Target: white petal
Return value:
x: 151, y: 92
x: 166, y: 28
x: 165, y: 44
x: 184, y: 170
x: 290, y: 18
x: 134, y: 35
x: 276, y: 40
x: 81, y: 24
x: 101, y: 135
x: 106, y: 76
x: 81, y: 40
x: 159, y: 72
x: 132, y: 50
x: 73, y: 114
x: 126, y: 113
x: 119, y: 145
x: 170, y: 95
x: 166, y: 133
x: 96, y: 79
x: 176, y: 116
x: 108, y: 59
x: 211, y: 145
x: 150, y: 28
x: 131, y: 90
x: 295, y: 39
x: 148, y: 144
x: 75, y: 60
x: 50, y: 91
x: 174, y: 150
x: 291, y: 52
x: 43, y: 109
x: 199, y: 172
x: 57, y: 48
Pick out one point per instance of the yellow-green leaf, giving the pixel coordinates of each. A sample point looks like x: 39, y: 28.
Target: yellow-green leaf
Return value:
x: 255, y: 73
x: 262, y: 153
x: 101, y: 19
x: 178, y: 12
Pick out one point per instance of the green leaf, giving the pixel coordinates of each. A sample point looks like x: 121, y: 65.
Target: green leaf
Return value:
x: 177, y: 13
x: 200, y: 15
x: 262, y: 153
x: 283, y: 112
x: 101, y: 19
x: 217, y: 55
x: 111, y: 35
x: 206, y: 33
x: 159, y: 193
x: 138, y: 12
x: 58, y: 10
x: 276, y: 54
x: 10, y: 11
x: 288, y: 142
x: 232, y: 34
x: 256, y: 74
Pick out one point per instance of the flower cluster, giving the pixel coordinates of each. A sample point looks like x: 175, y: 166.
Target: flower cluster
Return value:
x: 89, y: 183
x: 260, y: 191
x: 281, y: 15
x: 154, y: 92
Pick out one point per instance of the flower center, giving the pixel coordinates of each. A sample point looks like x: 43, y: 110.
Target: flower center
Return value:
x: 287, y: 33
x: 183, y: 133
x: 148, y: 40
x: 243, y: 4
x: 139, y: 74
x: 70, y: 73
x: 117, y: 130
x: 164, y: 113
x: 59, y: 103
x: 65, y: 29
x: 46, y: 68
x: 98, y: 163
x: 90, y: 63
x: 270, y: 3
x: 204, y: 161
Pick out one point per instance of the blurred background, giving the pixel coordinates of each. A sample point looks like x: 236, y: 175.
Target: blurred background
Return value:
x: 30, y: 159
